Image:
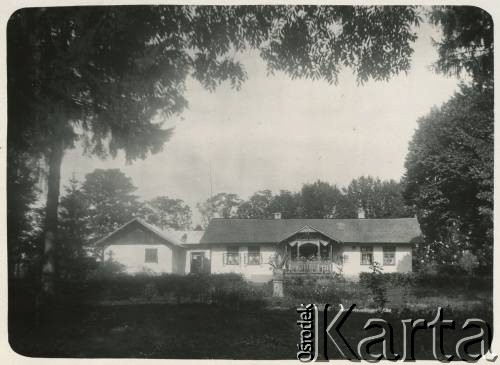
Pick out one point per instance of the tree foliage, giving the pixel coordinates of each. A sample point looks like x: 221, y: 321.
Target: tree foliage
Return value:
x: 449, y: 172
x: 112, y: 203
x: 377, y: 198
x: 450, y: 161
x: 101, y: 74
x: 74, y: 232
x: 263, y: 204
x: 257, y: 206
x: 317, y: 41
x: 74, y: 220
x: 22, y: 234
x: 320, y: 200
x: 467, y: 43
x: 167, y: 213
x: 221, y: 205
x: 286, y: 203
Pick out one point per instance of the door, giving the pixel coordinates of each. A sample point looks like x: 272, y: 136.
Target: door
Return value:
x: 197, y: 259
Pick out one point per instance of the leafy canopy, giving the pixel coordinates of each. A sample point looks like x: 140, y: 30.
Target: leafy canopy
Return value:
x: 449, y: 172
x: 320, y: 200
x: 263, y: 204
x: 221, y: 205
x: 167, y: 213
x: 257, y: 206
x: 377, y: 198
x: 112, y: 203
x: 467, y: 43
x: 109, y: 76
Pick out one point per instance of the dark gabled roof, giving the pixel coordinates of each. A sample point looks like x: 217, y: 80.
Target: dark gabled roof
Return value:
x: 400, y: 230
x: 164, y: 236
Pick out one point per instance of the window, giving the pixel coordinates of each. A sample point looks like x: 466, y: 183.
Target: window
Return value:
x: 232, y: 256
x: 389, y: 255
x: 366, y: 255
x: 254, y: 257
x: 151, y: 256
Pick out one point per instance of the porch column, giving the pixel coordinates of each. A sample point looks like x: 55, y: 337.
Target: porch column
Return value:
x: 292, y: 247
x: 288, y: 256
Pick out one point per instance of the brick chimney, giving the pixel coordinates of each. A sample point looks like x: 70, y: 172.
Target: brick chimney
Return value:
x: 277, y: 215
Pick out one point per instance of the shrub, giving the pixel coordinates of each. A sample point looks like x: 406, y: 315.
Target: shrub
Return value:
x: 311, y: 289
x: 375, y: 282
x: 469, y: 262
x: 221, y: 289
x: 452, y: 280
x: 151, y: 291
x: 229, y: 289
x: 385, y: 288
x: 105, y: 270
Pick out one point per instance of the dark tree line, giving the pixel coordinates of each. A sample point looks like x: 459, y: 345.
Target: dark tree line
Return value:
x: 376, y: 198
x: 449, y: 166
x: 449, y: 177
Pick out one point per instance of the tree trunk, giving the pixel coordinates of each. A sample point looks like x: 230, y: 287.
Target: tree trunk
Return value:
x: 50, y: 230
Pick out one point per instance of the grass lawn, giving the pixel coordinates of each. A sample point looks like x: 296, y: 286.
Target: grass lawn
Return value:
x: 186, y: 331
x: 160, y: 331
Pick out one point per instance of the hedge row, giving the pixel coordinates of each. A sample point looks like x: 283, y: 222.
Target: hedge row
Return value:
x: 332, y: 290
x: 231, y: 289
x: 379, y: 290
x: 427, y: 281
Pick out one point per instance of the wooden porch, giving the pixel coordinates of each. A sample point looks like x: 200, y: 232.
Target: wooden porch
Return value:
x: 310, y: 267
x: 309, y: 251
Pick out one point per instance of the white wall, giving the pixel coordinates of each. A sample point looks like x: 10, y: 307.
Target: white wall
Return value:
x: 133, y: 257
x: 353, y: 267
x: 257, y: 273
x: 404, y: 258
x: 178, y: 260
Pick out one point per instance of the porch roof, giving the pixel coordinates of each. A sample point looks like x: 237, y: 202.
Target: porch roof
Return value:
x: 233, y: 230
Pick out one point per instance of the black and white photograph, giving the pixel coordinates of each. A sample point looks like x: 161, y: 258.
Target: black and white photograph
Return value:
x: 250, y: 182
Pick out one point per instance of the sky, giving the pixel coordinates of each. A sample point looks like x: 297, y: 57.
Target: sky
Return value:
x: 277, y: 133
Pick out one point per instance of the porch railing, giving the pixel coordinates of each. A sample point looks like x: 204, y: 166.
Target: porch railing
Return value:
x: 311, y: 266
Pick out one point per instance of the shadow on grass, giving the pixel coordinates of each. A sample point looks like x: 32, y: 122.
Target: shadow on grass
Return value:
x: 196, y: 331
